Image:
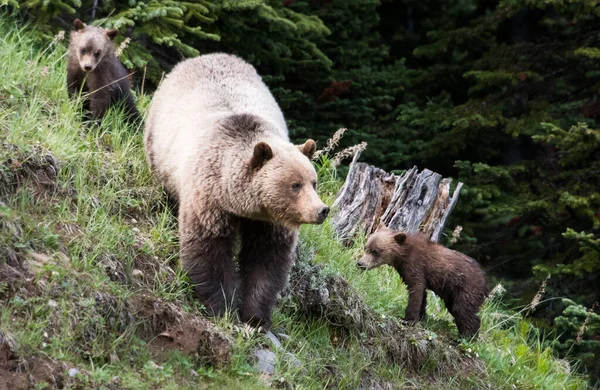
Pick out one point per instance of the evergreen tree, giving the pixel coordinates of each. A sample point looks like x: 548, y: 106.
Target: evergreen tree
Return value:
x: 164, y: 32
x: 522, y: 73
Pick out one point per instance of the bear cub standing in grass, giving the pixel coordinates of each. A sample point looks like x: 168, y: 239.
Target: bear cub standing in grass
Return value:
x: 218, y: 142
x: 422, y: 265
x: 94, y: 68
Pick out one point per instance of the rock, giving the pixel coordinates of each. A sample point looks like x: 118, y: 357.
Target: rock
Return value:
x: 292, y: 360
x: 274, y: 340
x: 73, y: 372
x: 153, y: 365
x: 265, y: 361
x: 284, y: 336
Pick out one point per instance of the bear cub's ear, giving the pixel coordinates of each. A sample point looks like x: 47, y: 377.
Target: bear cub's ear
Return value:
x: 78, y: 25
x: 400, y: 238
x: 262, y: 154
x: 308, y: 148
x: 111, y: 34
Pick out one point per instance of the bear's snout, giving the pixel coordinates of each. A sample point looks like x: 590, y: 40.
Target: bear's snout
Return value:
x: 361, y: 266
x: 322, y: 214
x: 87, y: 67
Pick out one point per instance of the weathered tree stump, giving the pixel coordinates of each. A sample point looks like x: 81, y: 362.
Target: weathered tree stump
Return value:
x: 410, y: 202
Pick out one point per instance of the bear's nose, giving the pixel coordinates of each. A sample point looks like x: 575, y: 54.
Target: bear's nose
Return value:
x: 88, y: 67
x: 361, y: 266
x: 323, y: 213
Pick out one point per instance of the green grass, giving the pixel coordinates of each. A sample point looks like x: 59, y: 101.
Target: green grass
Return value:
x: 107, y: 218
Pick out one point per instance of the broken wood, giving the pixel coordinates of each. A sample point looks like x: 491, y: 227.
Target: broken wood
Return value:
x: 409, y: 202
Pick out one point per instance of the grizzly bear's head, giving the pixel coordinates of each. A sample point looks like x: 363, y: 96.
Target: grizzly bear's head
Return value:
x: 285, y: 183
x: 384, y: 247
x: 91, y: 44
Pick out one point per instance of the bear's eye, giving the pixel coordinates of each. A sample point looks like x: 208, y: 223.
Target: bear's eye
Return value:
x: 375, y: 252
x: 314, y: 184
x: 83, y: 51
x: 97, y: 53
x: 296, y: 187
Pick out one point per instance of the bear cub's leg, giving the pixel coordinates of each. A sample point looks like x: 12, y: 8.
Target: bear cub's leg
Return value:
x: 99, y: 103
x: 207, y: 257
x: 423, y: 312
x: 464, y: 311
x: 417, y: 295
x: 265, y: 261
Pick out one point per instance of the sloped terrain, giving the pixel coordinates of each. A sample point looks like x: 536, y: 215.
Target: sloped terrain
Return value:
x: 91, y: 294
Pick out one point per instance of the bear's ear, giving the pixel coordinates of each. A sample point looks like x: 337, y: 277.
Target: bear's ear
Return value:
x: 262, y: 154
x: 400, y: 238
x: 111, y: 34
x: 78, y: 25
x: 308, y: 148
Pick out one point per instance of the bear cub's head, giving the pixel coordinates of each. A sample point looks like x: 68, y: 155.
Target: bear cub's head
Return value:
x: 91, y: 44
x: 286, y: 183
x: 384, y: 247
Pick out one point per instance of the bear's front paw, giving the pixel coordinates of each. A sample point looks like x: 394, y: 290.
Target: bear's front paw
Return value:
x: 409, y: 321
x: 261, y: 325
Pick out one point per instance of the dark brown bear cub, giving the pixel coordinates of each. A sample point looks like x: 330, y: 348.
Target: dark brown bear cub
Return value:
x: 422, y: 264
x: 93, y: 68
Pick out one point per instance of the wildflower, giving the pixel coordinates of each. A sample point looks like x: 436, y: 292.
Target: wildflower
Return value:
x: 122, y: 47
x: 585, y: 322
x: 332, y: 143
x: 348, y: 152
x: 536, y: 299
x: 456, y: 234
x: 58, y: 37
x: 498, y: 290
x: 45, y: 71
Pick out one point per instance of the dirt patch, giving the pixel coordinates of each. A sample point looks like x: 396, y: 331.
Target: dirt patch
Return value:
x: 69, y: 231
x: 369, y: 381
x: 15, y: 276
x: 170, y: 328
x: 146, y: 270
x: 35, y: 166
x: 17, y: 373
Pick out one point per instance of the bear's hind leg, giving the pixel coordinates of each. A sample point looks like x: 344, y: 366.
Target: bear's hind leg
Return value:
x: 465, y: 316
x: 265, y: 262
x: 423, y: 312
x: 207, y: 257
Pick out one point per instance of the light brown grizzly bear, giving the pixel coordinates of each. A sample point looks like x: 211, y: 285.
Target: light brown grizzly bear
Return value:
x: 218, y: 142
x: 93, y: 68
x: 422, y: 265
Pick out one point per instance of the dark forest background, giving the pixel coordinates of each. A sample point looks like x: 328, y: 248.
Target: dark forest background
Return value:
x: 501, y: 95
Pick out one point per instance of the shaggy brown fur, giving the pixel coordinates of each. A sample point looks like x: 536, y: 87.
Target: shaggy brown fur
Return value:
x: 422, y: 264
x: 93, y: 68
x: 217, y: 140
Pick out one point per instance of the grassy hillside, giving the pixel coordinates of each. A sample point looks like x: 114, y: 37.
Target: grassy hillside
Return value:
x: 91, y: 295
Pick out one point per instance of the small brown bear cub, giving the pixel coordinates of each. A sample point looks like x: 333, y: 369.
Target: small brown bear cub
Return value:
x: 94, y: 68
x: 422, y: 265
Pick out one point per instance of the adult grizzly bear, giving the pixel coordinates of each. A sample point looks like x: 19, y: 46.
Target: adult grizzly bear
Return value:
x: 218, y: 142
x: 422, y: 265
x: 94, y: 68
